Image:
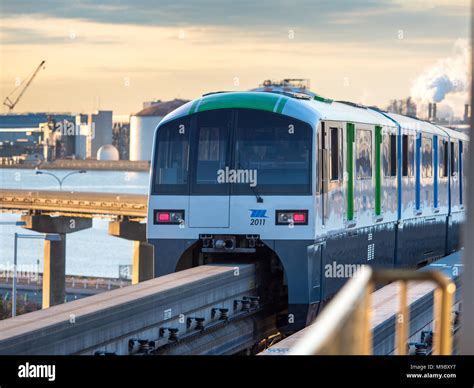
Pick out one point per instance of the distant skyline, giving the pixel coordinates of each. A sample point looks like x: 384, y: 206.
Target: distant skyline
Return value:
x: 117, y: 54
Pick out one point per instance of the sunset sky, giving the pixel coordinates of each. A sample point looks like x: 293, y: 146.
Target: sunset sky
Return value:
x: 120, y: 53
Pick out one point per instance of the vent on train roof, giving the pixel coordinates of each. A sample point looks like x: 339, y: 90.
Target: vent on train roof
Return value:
x: 377, y: 109
x: 355, y: 105
x: 323, y: 99
x: 414, y: 117
x: 218, y: 92
x: 299, y: 96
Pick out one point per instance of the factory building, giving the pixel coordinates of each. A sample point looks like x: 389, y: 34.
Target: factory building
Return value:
x: 92, y: 132
x: 403, y: 107
x: 467, y: 113
x: 101, y: 125
x: 54, y: 135
x: 82, y: 139
x: 30, y: 133
x: 143, y: 125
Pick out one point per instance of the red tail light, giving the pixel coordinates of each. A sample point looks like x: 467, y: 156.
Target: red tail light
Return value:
x: 299, y: 218
x: 291, y: 217
x: 169, y: 217
x: 163, y: 217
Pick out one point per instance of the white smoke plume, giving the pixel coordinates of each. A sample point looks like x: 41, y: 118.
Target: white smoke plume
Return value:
x: 449, y: 76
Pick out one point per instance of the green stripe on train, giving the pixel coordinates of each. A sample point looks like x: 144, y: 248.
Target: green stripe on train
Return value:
x: 350, y: 170
x: 378, y: 173
x: 193, y: 106
x: 261, y: 101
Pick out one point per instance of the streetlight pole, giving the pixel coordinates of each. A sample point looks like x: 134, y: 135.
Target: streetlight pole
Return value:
x: 15, y: 259
x: 60, y: 180
x: 16, y: 223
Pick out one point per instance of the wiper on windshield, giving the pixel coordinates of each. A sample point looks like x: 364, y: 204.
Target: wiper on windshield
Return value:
x: 254, y: 189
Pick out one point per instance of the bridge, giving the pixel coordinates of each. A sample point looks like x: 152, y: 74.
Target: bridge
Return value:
x: 61, y: 213
x: 204, y: 310
x: 76, y: 204
x: 216, y: 309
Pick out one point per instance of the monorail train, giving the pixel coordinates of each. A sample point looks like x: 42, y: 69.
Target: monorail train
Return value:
x: 306, y: 187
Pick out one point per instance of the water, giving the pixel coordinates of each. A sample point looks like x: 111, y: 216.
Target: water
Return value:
x: 91, y: 252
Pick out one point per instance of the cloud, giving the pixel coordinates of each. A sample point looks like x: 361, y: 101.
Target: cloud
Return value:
x: 448, y: 75
x: 333, y: 40
x: 243, y: 13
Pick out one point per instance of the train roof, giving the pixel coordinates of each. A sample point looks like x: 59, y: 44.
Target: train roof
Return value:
x: 300, y: 107
x: 427, y: 127
x: 412, y: 123
x: 454, y: 134
x: 307, y: 108
x: 344, y: 111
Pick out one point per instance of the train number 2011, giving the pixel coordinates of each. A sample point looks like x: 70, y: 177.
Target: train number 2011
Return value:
x: 257, y: 221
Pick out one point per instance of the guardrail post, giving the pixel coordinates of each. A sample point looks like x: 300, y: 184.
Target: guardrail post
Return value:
x: 343, y: 327
x: 403, y: 320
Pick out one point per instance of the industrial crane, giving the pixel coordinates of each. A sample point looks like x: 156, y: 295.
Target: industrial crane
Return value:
x: 11, y: 104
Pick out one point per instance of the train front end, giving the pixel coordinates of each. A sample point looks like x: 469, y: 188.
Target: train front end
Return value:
x: 233, y: 180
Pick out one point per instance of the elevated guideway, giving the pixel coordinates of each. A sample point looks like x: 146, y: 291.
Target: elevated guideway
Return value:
x: 209, y: 309
x: 79, y: 204
x: 62, y: 213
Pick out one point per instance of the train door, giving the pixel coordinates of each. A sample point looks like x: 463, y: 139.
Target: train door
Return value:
x: 209, y: 202
x: 323, y: 142
x: 454, y: 172
x: 331, y: 173
x: 461, y: 174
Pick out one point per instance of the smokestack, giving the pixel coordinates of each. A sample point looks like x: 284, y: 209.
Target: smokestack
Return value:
x: 466, y: 113
x: 434, y: 111
x: 430, y: 110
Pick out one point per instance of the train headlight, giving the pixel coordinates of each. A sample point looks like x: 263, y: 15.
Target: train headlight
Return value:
x: 168, y: 217
x: 291, y: 217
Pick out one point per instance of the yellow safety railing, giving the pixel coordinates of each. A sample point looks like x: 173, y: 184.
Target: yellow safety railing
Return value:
x: 344, y: 325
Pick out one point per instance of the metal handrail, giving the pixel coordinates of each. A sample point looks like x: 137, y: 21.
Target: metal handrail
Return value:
x: 343, y: 327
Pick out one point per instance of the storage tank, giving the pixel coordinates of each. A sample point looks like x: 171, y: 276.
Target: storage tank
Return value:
x: 143, y: 125
x: 107, y: 152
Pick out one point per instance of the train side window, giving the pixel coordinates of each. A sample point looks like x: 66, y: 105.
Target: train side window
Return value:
x: 465, y: 152
x: 411, y: 156
x: 454, y: 159
x: 405, y: 155
x: 386, y: 155
x: 364, y: 154
x: 334, y: 154
x: 443, y: 159
x: 393, y: 155
x: 390, y: 155
x: 427, y: 157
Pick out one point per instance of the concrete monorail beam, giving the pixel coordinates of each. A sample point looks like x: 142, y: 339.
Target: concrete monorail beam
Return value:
x: 143, y: 259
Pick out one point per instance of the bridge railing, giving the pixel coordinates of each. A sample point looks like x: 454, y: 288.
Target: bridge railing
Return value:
x: 344, y: 328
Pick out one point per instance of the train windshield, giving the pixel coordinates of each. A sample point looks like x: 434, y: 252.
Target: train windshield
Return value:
x: 233, y: 151
x: 275, y: 150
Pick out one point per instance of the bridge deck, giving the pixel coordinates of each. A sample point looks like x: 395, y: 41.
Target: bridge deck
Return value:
x: 85, y: 204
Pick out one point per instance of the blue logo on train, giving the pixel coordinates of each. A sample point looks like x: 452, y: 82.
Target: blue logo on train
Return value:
x: 258, y: 213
